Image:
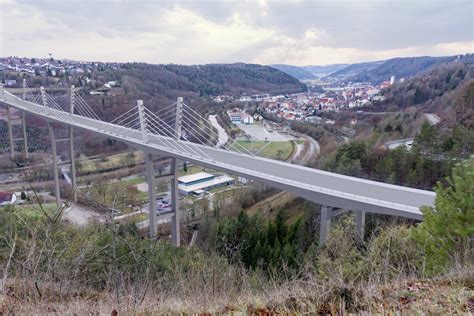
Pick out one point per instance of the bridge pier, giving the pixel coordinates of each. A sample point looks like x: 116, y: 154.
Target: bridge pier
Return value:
x: 57, y: 192
x: 324, y: 224
x: 13, y: 140
x: 152, y: 207
x: 10, y: 133
x: 175, y: 224
x: 327, y: 213
x: 360, y: 223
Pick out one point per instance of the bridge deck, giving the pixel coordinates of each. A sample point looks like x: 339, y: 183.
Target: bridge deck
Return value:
x: 319, y: 186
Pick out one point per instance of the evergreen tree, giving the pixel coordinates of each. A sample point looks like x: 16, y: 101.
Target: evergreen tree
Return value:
x: 447, y: 230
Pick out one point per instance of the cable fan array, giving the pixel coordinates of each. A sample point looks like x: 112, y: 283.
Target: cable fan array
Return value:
x: 57, y: 105
x: 194, y: 128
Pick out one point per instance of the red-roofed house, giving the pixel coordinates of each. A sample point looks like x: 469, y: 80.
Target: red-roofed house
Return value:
x: 7, y: 198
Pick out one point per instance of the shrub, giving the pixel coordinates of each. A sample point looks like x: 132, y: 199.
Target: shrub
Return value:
x: 393, y: 253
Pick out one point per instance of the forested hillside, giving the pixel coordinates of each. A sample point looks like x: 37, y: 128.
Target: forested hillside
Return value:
x: 355, y: 69
x: 400, y: 68
x: 206, y: 80
x: 298, y: 72
x: 322, y: 71
x: 446, y: 90
x: 309, y: 72
x: 160, y: 85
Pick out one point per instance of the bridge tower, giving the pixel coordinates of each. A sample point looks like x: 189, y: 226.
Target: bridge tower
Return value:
x: 23, y: 122
x: 72, y: 153
x: 151, y: 178
x: 175, y: 229
x: 57, y: 192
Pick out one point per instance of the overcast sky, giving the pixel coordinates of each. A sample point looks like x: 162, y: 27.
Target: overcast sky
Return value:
x: 266, y: 32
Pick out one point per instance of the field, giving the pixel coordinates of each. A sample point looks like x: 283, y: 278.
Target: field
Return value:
x: 272, y: 150
x: 109, y: 162
x: 33, y: 210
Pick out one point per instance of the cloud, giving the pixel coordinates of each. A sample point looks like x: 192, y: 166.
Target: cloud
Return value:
x: 190, y: 32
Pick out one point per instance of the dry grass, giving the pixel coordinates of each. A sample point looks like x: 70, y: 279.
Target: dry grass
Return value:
x: 444, y: 296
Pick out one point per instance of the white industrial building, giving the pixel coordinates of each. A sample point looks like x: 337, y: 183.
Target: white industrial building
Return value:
x: 200, y: 182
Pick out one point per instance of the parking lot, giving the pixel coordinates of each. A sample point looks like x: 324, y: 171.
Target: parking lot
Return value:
x: 260, y: 133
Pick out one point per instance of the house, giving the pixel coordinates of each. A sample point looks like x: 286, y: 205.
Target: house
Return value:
x: 7, y: 198
x: 237, y: 116
x: 10, y: 82
x: 313, y: 119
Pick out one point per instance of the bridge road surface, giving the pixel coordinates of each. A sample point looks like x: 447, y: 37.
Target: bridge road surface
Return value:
x: 322, y: 187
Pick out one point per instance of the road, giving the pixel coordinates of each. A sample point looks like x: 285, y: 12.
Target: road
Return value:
x: 312, y: 152
x: 432, y: 118
x: 222, y: 134
x: 408, y: 142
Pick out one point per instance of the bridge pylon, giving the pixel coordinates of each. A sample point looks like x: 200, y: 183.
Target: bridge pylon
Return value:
x: 150, y: 171
x: 175, y: 229
x: 72, y: 154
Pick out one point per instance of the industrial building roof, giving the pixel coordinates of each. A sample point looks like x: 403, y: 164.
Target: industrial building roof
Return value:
x: 195, y: 177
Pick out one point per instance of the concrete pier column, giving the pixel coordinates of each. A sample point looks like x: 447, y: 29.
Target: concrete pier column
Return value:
x: 325, y: 224
x: 152, y: 205
x: 10, y: 133
x: 72, y: 155
x: 57, y: 191
x: 175, y: 229
x: 25, y: 141
x: 360, y: 223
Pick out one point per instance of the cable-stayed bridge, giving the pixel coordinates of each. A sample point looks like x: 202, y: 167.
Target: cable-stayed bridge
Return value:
x: 181, y: 133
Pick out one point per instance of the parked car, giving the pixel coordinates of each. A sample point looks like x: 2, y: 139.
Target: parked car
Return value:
x: 115, y: 211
